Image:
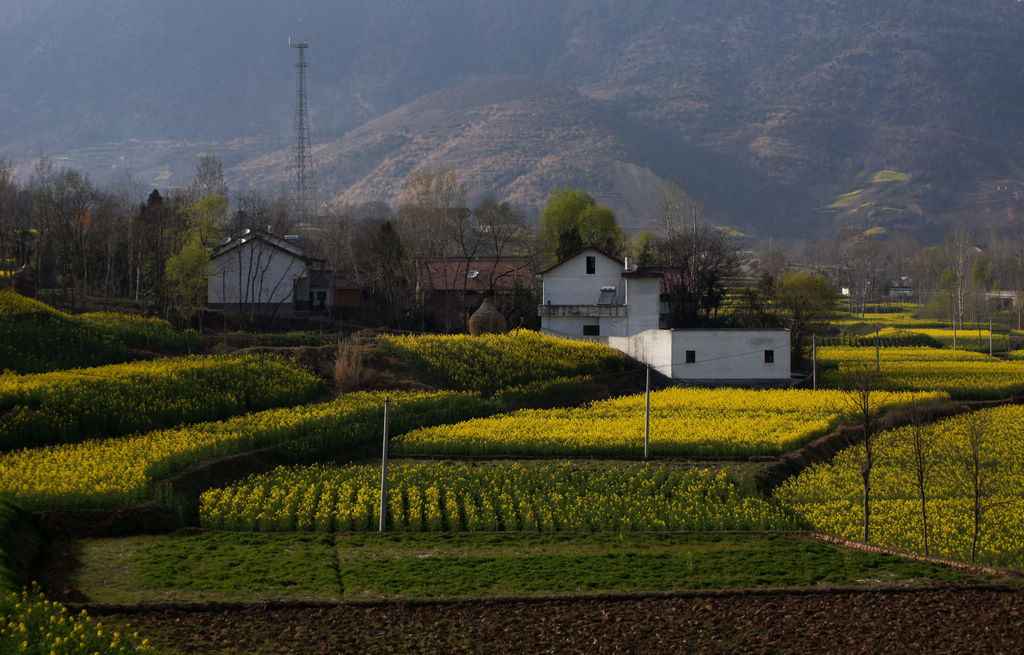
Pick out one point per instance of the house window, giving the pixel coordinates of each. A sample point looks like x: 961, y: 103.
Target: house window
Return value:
x: 691, y: 356
x: 591, y: 330
x: 769, y: 357
x: 591, y: 264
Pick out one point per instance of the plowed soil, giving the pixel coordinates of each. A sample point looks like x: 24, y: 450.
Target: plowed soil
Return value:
x: 926, y: 620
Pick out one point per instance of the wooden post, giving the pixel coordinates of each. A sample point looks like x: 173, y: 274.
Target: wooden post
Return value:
x: 384, y: 469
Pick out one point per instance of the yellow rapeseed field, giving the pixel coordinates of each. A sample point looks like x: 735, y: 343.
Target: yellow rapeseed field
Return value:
x: 119, y: 471
x: 829, y: 496
x: 43, y: 408
x: 962, y: 374
x: 447, y: 496
x: 492, y: 362
x: 684, y: 422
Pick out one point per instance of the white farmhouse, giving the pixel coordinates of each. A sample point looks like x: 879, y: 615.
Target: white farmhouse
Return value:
x: 596, y: 297
x: 593, y: 294
x: 259, y: 272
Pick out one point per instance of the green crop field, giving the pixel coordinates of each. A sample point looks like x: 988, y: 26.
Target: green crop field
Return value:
x: 223, y: 566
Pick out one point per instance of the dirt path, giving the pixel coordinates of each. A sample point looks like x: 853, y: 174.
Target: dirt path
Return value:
x: 890, y: 621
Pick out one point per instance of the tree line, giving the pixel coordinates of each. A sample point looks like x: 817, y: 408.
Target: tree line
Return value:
x: 81, y: 241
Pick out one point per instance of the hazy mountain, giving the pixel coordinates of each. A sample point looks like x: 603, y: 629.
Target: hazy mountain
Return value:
x: 779, y: 115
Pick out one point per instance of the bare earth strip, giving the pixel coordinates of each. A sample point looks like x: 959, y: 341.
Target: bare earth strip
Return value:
x: 950, y: 619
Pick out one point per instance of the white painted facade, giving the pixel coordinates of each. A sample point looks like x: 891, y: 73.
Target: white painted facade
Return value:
x: 627, y: 317
x: 256, y: 271
x: 592, y: 294
x: 726, y: 355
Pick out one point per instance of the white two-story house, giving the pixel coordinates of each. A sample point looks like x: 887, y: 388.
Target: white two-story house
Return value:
x: 594, y: 296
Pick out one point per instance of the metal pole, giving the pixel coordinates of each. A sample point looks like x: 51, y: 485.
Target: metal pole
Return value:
x: 384, y: 469
x: 647, y: 418
x: 990, y: 334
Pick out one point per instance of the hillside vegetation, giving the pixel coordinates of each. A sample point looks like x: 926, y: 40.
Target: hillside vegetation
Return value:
x: 39, y: 338
x: 767, y: 111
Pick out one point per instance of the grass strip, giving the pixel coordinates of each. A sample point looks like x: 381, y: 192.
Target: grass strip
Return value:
x: 220, y: 566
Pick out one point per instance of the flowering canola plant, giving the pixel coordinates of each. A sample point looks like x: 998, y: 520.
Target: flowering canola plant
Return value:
x: 458, y: 497
x: 37, y: 337
x: 962, y: 374
x: 684, y: 422
x: 44, y: 408
x: 119, y: 471
x: 31, y: 624
x: 496, y: 361
x: 829, y: 495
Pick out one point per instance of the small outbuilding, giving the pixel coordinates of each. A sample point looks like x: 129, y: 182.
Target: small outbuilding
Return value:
x: 261, y: 273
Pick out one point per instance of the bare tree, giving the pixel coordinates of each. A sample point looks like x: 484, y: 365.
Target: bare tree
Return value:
x: 921, y: 462
x: 8, y: 194
x: 209, y: 178
x: 926, y: 270
x: 66, y: 203
x: 975, y: 456
x: 861, y: 259
x: 961, y: 253
x: 679, y: 212
x: 385, y: 265
x: 256, y: 212
x: 699, y: 264
x: 860, y: 384
x: 434, y: 222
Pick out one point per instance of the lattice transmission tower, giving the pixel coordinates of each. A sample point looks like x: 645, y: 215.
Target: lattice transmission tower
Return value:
x: 303, y: 160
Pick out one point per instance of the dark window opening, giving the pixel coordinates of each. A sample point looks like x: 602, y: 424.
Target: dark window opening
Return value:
x: 769, y: 357
x: 591, y: 264
x: 591, y: 330
x: 691, y: 356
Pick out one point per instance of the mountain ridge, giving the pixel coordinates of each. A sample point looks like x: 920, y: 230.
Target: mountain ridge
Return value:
x: 767, y: 113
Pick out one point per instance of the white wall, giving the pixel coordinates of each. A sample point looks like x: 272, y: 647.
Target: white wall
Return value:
x: 719, y: 354
x: 569, y: 284
x: 652, y: 347
x: 643, y: 304
x: 730, y: 354
x: 254, y: 273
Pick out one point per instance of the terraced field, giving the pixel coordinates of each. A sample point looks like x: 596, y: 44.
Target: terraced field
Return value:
x: 532, y: 531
